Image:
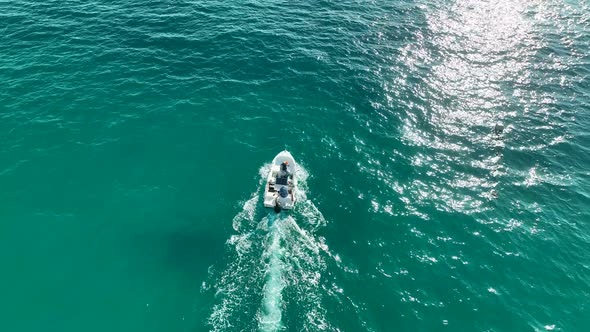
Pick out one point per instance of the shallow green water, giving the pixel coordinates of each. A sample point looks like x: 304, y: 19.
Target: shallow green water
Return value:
x: 444, y: 149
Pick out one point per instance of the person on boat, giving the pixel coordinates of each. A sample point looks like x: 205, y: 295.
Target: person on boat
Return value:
x: 283, y: 200
x: 285, y: 169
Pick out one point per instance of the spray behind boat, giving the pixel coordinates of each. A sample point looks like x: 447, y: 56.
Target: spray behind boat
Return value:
x: 268, y: 254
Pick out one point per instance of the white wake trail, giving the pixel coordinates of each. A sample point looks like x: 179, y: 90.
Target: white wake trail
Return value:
x: 274, y: 267
x: 236, y: 285
x: 270, y: 316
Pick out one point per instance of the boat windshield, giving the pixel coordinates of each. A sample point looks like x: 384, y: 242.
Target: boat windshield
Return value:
x: 282, y: 180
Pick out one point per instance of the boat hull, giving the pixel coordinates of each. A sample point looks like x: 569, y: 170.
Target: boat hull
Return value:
x: 279, y: 180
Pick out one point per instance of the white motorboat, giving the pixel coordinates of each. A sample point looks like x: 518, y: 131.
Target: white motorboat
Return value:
x: 279, y: 192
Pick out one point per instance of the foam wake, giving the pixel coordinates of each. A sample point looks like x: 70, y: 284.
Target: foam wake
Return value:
x: 271, y: 280
x: 270, y: 313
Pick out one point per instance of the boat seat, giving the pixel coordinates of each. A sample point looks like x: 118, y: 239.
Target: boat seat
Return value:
x: 282, y: 180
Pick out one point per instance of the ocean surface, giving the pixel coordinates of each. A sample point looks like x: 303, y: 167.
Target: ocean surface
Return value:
x: 443, y: 150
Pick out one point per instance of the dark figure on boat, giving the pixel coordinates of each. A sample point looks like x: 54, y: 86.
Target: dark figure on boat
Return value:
x: 285, y: 169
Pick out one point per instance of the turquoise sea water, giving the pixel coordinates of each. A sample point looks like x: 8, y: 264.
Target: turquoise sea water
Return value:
x: 444, y: 148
